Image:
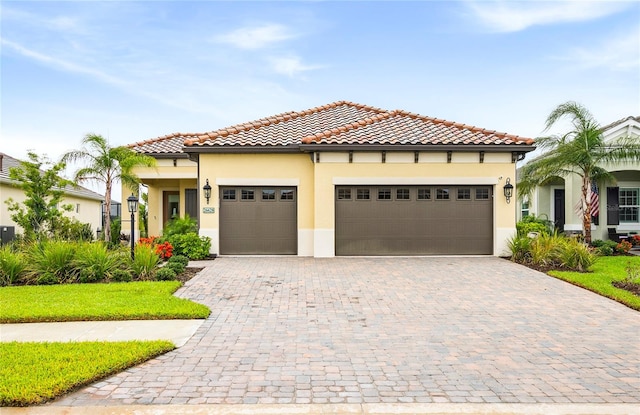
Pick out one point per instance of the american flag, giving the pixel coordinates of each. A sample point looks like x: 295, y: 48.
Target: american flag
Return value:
x: 592, y: 194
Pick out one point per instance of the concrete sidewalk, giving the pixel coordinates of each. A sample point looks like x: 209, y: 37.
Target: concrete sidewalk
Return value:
x: 176, y: 331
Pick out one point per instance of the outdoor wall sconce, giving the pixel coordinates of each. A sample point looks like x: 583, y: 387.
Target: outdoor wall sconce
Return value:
x: 207, y: 191
x: 508, y: 190
x: 132, y: 204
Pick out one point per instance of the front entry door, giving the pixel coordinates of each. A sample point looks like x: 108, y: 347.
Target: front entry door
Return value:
x: 170, y: 206
x: 558, y: 208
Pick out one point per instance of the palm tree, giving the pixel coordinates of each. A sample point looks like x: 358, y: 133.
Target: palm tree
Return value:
x: 107, y: 165
x: 581, y: 151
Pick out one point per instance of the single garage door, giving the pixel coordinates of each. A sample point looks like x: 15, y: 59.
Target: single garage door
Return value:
x: 414, y: 220
x: 258, y: 220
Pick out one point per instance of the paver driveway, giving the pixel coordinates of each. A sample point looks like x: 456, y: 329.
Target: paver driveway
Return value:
x: 352, y: 330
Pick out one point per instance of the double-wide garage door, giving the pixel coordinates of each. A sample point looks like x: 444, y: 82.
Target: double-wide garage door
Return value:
x: 414, y: 220
x: 258, y: 220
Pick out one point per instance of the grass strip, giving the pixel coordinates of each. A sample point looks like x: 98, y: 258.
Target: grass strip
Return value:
x: 33, y: 373
x: 604, y: 272
x: 144, y: 300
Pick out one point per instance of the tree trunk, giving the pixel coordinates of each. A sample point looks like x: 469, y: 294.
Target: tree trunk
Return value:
x: 586, y: 212
x: 107, y: 216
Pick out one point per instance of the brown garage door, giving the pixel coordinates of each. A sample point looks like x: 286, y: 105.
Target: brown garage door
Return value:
x: 414, y: 220
x: 258, y: 220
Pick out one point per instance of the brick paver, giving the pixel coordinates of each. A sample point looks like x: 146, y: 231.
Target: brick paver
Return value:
x: 388, y: 330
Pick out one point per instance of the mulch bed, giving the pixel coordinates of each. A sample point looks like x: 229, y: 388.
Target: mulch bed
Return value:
x: 187, y: 274
x: 633, y: 288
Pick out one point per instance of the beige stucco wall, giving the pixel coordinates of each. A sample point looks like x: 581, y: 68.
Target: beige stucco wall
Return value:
x: 84, y: 210
x: 316, y: 182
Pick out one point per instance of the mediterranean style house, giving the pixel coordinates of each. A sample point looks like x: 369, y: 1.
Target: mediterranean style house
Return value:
x: 618, y: 202
x: 87, y: 205
x: 339, y: 179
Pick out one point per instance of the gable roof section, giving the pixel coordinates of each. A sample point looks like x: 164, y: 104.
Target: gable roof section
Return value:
x: 8, y: 162
x: 339, y: 125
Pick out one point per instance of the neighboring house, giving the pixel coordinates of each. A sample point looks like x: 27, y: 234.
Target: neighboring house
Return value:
x: 86, y: 203
x: 340, y: 179
x: 618, y: 202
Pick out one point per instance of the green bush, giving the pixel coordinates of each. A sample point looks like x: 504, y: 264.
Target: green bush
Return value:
x: 551, y: 251
x: 96, y: 262
x: 179, y: 226
x: 13, y: 265
x: 145, y: 262
x: 116, y: 229
x: 165, y: 274
x: 71, y: 229
x: 532, y: 223
x: 179, y: 258
x: 604, y: 250
x: 121, y: 275
x: 177, y: 267
x: 191, y: 245
x: 52, y: 262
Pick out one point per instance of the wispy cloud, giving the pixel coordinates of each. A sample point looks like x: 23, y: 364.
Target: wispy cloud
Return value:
x: 620, y: 53
x: 60, y: 63
x: 290, y: 65
x: 256, y: 37
x: 513, y: 16
x: 60, y: 23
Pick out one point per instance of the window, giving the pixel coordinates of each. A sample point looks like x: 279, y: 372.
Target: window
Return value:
x: 524, y: 208
x: 248, y: 194
x: 286, y: 194
x: 629, y: 205
x: 482, y: 194
x: 464, y: 194
x: 402, y: 194
x: 442, y: 193
x: 363, y: 194
x: 344, y: 194
x: 268, y: 194
x: 229, y: 194
x: 384, y: 194
x: 424, y: 194
x: 77, y: 207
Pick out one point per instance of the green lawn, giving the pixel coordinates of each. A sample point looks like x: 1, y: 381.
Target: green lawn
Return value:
x: 78, y: 302
x: 33, y: 373
x: 605, y: 271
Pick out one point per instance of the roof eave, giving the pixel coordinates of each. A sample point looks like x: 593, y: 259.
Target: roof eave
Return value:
x: 418, y: 147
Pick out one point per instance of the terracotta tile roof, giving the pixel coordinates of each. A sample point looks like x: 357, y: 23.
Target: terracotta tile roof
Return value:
x: 405, y: 128
x: 341, y: 122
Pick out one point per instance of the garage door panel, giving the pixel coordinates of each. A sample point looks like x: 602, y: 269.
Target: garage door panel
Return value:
x: 264, y: 224
x: 462, y: 224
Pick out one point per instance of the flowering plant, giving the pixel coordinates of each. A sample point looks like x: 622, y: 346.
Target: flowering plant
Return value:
x: 635, y: 240
x: 623, y: 247
x: 165, y: 250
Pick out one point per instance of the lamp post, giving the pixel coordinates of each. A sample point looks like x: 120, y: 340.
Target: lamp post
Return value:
x: 132, y: 204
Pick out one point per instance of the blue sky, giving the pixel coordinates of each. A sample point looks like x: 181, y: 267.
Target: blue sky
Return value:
x: 131, y: 71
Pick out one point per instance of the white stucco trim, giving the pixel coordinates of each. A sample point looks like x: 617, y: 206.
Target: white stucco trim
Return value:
x: 169, y: 175
x: 214, y: 234
x: 415, y: 180
x: 502, y: 236
x: 324, y: 243
x: 224, y: 181
x: 305, y: 242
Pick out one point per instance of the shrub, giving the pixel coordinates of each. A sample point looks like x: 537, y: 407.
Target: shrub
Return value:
x: 520, y: 247
x: 635, y: 240
x: 623, y: 247
x: 605, y: 250
x: 532, y: 223
x: 12, y: 265
x: 179, y: 258
x: 116, y: 228
x: 96, y: 262
x: 165, y: 274
x: 191, y: 245
x: 52, y: 262
x: 575, y: 255
x: 176, y: 266
x: 145, y: 262
x: 179, y: 226
x: 121, y: 275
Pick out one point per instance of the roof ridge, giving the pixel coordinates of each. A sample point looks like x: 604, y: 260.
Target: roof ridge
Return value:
x: 273, y: 119
x: 620, y: 121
